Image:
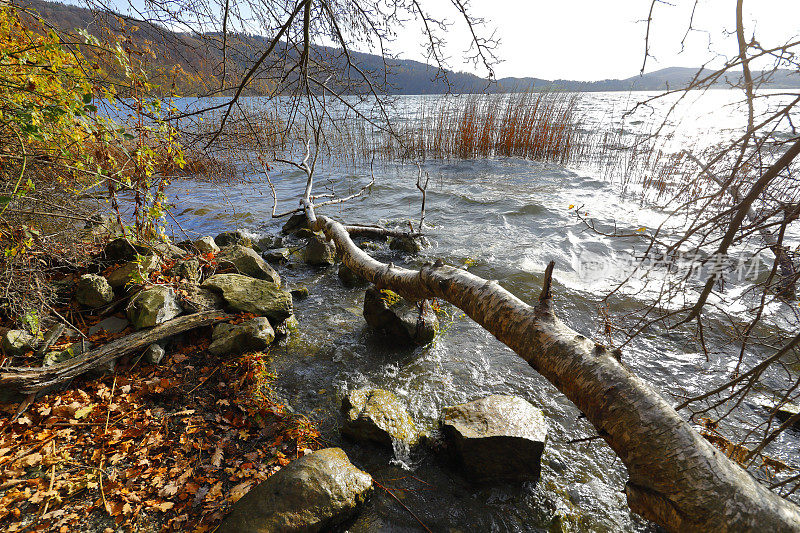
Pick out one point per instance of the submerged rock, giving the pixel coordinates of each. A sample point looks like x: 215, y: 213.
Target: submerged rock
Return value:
x: 285, y: 328
x: 496, y: 438
x: 136, y: 271
x: 407, y: 244
x: 313, y: 493
x: 250, y: 295
x: 390, y: 314
x: 301, y: 293
x: 93, y: 291
x: 277, y: 255
x: 246, y: 261
x: 350, y: 278
x: 252, y: 335
x: 269, y: 242
x: 378, y: 415
x: 318, y: 251
x: 17, y: 342
x: 153, y: 306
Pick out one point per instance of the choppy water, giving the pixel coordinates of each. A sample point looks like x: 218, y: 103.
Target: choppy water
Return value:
x: 507, y: 218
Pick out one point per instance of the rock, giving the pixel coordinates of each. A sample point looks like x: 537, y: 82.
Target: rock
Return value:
x: 154, y: 354
x: 249, y: 336
x: 137, y: 271
x: 350, y: 278
x: 277, y: 255
x: 206, y: 245
x: 496, y: 438
x: 167, y: 250
x: 286, y: 327
x: 313, y: 493
x: 195, y: 298
x: 295, y: 222
x: 17, y: 342
x: 407, y: 244
x: 246, y: 261
x: 59, y: 356
x: 301, y: 293
x: 103, y: 225
x: 153, y: 306
x: 122, y: 250
x: 229, y: 238
x: 378, y: 415
x: 392, y: 315
x: 93, y: 291
x: 250, y: 295
x: 187, y: 270
x: 110, y: 325
x: 319, y: 252
x: 269, y: 242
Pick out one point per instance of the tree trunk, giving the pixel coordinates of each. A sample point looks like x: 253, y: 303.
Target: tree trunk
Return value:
x: 33, y: 380
x: 676, y: 477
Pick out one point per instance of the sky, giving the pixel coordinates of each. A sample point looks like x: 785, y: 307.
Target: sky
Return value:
x: 596, y: 39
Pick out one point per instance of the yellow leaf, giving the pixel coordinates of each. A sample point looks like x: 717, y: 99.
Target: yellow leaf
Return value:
x: 642, y: 229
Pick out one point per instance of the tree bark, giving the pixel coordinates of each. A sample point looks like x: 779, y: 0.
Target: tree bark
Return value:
x: 676, y: 477
x: 33, y: 380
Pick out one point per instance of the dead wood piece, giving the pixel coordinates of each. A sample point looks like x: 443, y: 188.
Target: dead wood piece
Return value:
x: 377, y: 231
x: 32, y: 380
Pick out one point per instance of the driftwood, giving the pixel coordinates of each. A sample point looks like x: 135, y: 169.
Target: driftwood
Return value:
x: 379, y: 232
x: 32, y: 380
x: 676, y: 477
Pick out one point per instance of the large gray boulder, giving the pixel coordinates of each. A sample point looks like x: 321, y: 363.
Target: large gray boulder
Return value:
x: 251, y: 335
x: 17, y: 342
x: 318, y: 252
x: 195, y: 299
x: 392, y: 315
x: 313, y: 493
x: 496, y: 438
x: 378, y: 415
x: 186, y: 269
x: 250, y: 295
x: 93, y: 291
x: 246, y: 261
x: 153, y: 306
x: 136, y: 271
x: 228, y: 238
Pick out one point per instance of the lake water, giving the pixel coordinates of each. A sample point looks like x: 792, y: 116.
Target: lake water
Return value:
x: 506, y: 218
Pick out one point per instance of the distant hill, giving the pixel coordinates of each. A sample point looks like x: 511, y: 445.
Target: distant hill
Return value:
x: 202, y: 63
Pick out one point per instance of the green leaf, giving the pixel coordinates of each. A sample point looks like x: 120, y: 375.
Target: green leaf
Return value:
x: 87, y: 98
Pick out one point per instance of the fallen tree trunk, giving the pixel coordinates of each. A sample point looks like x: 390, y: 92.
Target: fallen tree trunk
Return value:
x: 676, y: 477
x: 32, y: 380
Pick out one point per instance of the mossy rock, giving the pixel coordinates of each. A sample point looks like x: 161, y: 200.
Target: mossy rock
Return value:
x: 393, y: 316
x: 378, y: 415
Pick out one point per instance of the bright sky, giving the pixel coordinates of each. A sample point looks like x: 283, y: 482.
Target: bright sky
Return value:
x: 596, y: 39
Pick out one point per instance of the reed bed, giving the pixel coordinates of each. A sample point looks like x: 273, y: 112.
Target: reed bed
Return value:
x: 537, y: 126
